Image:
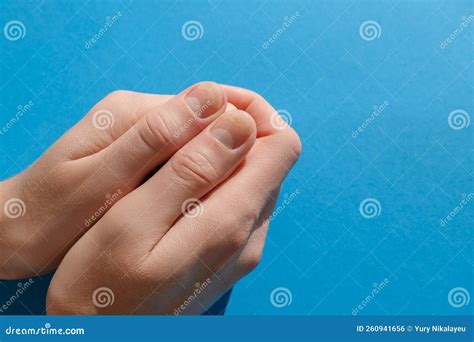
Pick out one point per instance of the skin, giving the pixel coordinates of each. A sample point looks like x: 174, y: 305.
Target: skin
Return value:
x: 70, y: 182
x: 146, y: 252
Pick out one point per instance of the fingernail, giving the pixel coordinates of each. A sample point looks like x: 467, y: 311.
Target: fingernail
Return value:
x: 232, y: 129
x: 205, y: 99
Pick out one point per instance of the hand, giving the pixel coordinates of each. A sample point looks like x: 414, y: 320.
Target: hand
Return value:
x: 120, y: 141
x: 149, y: 255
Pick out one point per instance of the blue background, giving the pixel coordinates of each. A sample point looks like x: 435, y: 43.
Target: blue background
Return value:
x: 328, y: 78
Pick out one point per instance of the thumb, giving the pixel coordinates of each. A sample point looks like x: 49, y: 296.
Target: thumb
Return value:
x: 161, y: 132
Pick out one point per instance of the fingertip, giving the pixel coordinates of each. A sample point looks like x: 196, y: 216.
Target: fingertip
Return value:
x: 230, y: 107
x: 206, y: 99
x: 234, y: 128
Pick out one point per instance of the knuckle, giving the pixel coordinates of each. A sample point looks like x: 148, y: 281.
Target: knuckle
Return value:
x: 147, y: 273
x: 236, y: 240
x: 292, y: 143
x: 257, y: 99
x: 250, y: 215
x: 241, y: 215
x: 254, y: 96
x: 295, y: 143
x: 194, y: 168
x: 156, y: 133
x: 236, y: 228
x: 117, y: 95
x: 250, y: 261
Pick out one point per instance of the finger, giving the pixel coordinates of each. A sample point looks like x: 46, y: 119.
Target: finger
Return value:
x: 234, y: 208
x: 192, y: 172
x: 267, y: 119
x: 230, y: 107
x: 104, y: 123
x: 160, y: 133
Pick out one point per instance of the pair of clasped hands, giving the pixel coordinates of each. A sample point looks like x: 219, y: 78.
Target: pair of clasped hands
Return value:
x: 135, y: 213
